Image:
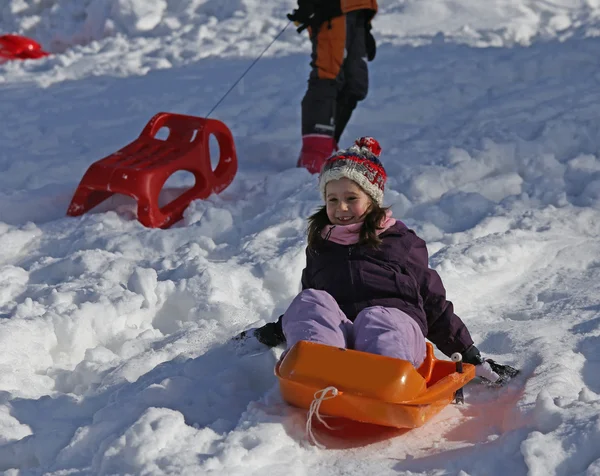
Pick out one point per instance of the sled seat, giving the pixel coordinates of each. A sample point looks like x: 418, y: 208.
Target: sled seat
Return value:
x: 141, y: 168
x: 371, y: 388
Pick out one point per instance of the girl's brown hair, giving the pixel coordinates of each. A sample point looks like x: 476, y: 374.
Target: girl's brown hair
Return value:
x: 368, y: 230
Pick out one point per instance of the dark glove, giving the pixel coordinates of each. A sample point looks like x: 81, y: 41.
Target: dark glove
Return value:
x: 303, y: 15
x: 312, y: 13
x: 472, y: 356
x: 271, y: 334
x: 370, y: 43
x: 505, y: 372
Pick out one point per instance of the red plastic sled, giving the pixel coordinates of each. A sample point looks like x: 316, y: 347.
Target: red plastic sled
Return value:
x: 14, y: 47
x: 141, y: 168
x: 370, y: 388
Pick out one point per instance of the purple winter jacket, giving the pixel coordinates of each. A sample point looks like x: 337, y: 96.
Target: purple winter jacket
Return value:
x: 397, y: 275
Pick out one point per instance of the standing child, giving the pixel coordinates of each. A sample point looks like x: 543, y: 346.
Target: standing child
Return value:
x: 367, y: 284
x: 342, y: 44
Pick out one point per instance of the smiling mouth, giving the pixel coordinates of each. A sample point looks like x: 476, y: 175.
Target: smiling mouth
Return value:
x: 344, y: 219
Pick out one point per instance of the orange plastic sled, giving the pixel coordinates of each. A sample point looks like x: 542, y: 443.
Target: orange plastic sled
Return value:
x: 371, y: 388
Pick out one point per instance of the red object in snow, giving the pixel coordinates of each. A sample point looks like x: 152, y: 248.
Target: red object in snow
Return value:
x: 141, y: 168
x: 19, y: 47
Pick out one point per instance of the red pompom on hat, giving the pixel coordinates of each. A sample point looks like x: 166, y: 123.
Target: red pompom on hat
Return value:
x: 370, y: 144
x: 359, y: 163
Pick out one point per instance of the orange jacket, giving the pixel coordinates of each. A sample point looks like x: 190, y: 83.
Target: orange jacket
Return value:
x: 351, y: 5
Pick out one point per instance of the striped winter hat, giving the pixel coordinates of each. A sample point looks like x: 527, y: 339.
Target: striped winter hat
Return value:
x: 359, y: 163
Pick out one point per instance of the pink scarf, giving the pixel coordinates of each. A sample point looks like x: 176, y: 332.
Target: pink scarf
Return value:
x: 349, y: 234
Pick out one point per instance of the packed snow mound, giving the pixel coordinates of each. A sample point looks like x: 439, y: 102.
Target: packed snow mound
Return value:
x: 116, y: 353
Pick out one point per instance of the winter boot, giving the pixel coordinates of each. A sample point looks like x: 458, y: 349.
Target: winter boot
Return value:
x: 316, y: 149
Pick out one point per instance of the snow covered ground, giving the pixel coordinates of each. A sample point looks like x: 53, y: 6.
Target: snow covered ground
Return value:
x: 115, y: 351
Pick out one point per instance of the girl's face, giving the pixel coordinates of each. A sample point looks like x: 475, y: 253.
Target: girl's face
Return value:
x: 346, y: 202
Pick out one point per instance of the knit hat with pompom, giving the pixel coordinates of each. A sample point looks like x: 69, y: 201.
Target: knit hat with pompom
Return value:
x: 359, y: 163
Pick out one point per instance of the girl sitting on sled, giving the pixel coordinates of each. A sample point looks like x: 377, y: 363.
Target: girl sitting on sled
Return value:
x: 367, y: 284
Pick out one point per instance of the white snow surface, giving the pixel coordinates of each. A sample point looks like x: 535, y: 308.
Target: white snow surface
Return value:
x: 115, y: 350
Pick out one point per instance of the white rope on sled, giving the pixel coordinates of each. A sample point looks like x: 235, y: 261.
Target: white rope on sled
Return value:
x: 319, y: 397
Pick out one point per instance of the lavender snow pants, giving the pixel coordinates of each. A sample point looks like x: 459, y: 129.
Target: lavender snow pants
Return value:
x: 315, y: 316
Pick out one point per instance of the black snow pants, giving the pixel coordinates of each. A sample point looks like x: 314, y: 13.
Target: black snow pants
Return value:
x: 339, y: 77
